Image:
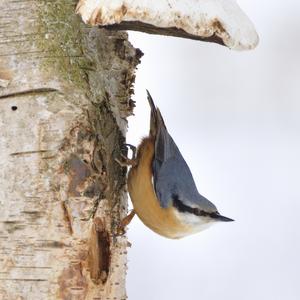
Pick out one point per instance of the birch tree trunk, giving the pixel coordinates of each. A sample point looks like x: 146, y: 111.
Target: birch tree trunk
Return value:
x: 64, y: 97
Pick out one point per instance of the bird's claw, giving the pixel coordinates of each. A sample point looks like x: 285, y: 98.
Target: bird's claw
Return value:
x: 124, y: 222
x: 125, y: 160
x: 132, y: 148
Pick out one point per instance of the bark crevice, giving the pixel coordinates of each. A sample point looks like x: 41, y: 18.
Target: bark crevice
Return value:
x: 57, y: 148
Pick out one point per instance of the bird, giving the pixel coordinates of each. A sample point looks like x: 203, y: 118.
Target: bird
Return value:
x: 161, y: 186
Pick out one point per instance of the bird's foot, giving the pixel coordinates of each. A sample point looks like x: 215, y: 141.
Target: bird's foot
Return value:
x: 125, y: 160
x: 132, y: 148
x: 124, y: 222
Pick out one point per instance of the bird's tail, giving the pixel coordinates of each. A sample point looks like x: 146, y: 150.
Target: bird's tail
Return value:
x: 156, y: 119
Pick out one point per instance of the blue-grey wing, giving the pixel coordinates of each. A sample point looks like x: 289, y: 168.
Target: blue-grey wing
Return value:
x: 171, y: 173
x: 172, y: 177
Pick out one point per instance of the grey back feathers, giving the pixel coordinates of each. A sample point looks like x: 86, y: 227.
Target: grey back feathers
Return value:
x: 171, y: 174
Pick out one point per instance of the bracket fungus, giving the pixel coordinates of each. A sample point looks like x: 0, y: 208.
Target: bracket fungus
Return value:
x: 218, y: 21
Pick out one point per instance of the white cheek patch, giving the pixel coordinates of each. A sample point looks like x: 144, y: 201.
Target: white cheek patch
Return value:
x: 194, y: 223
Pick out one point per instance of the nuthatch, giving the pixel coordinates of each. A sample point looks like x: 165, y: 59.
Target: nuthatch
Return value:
x: 162, y: 188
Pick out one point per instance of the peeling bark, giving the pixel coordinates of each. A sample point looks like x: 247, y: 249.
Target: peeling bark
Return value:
x: 65, y: 93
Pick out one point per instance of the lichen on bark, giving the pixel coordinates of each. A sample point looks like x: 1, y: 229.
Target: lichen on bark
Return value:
x: 71, y: 85
x: 62, y: 31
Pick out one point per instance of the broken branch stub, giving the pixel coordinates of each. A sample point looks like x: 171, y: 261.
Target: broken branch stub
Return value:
x: 218, y: 21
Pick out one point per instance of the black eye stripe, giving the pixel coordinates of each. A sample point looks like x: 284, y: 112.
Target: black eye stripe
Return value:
x: 184, y: 208
x: 196, y: 211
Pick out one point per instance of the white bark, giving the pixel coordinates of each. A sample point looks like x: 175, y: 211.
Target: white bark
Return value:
x: 220, y: 21
x: 64, y: 98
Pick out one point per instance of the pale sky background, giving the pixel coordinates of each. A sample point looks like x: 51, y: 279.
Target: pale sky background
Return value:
x: 236, y: 119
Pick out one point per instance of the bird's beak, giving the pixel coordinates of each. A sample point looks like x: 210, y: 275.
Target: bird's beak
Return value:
x: 219, y: 217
